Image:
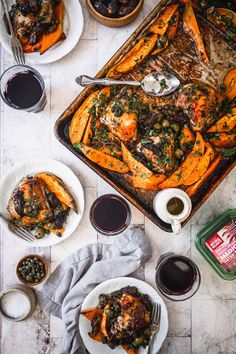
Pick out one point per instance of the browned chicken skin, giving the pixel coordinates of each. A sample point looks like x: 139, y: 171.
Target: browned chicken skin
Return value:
x: 200, y: 104
x: 159, y: 150
x: 120, y: 120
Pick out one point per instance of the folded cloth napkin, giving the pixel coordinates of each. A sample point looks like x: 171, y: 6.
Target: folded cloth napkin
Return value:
x: 66, y: 288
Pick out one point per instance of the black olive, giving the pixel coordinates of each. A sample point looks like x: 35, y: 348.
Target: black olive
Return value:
x: 124, y: 11
x: 101, y: 8
x: 112, y: 7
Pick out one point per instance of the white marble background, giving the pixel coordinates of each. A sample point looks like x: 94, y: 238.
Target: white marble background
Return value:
x: 204, y: 324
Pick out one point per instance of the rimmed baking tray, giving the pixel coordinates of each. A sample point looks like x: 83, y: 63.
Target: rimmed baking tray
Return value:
x: 180, y: 58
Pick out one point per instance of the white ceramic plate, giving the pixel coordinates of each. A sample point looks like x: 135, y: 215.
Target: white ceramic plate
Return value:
x: 108, y: 286
x: 10, y: 181
x: 72, y: 27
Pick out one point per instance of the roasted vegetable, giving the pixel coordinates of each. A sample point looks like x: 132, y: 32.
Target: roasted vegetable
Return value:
x: 163, y: 40
x: 136, y: 167
x: 81, y: 117
x: 88, y: 134
x: 191, y: 27
x: 51, y: 38
x: 103, y: 160
x: 134, y: 57
x: 110, y: 150
x: 187, y: 139
x: 224, y: 124
x: 225, y: 20
x: 140, y: 181
x: 195, y: 187
x: 202, y: 166
x: 230, y: 84
x: 55, y: 185
x: 187, y: 167
x: 224, y: 140
x: 160, y: 25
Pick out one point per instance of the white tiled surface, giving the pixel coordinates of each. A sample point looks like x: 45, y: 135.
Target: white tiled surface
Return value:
x: 204, y: 325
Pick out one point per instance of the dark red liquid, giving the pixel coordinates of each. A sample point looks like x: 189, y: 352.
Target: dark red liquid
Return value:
x: 23, y: 90
x: 109, y: 213
x: 177, y: 275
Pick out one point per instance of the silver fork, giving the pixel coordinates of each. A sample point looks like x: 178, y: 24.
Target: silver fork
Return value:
x: 16, y: 46
x: 19, y: 231
x: 155, y: 326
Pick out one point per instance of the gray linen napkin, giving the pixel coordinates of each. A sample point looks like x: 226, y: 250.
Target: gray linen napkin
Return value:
x: 66, y: 288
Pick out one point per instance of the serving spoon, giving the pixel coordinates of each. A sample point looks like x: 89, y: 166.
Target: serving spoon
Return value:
x: 154, y: 84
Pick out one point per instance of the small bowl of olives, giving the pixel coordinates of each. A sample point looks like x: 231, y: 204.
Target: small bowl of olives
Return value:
x: 114, y: 13
x: 32, y: 269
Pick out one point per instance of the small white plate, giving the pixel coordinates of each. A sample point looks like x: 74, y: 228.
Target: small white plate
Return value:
x: 11, y: 180
x: 107, y: 287
x: 72, y: 27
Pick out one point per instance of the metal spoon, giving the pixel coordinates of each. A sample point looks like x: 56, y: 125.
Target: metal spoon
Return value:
x: 154, y: 84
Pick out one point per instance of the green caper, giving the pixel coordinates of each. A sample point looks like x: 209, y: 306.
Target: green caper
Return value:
x: 179, y: 153
x: 147, y: 332
x: 138, y: 341
x: 39, y: 233
x: 165, y: 123
x: 109, y: 312
x: 29, y: 278
x: 176, y: 127
x: 157, y: 126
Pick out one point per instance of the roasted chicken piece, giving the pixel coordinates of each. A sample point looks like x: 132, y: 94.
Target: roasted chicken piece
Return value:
x: 120, y: 119
x: 29, y: 200
x: 158, y: 149
x: 200, y: 103
x: 47, y: 16
x: 23, y: 25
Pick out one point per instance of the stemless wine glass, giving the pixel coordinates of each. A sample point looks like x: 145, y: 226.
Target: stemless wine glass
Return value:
x: 177, y: 277
x: 23, y: 88
x: 110, y: 214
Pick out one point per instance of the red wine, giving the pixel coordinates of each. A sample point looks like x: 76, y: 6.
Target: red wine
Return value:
x: 110, y: 214
x: 177, y: 275
x: 23, y: 90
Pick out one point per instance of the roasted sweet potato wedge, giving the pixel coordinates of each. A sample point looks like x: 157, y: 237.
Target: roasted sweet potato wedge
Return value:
x: 161, y: 24
x: 55, y: 185
x: 110, y: 150
x: 202, y: 166
x: 89, y: 314
x: 224, y: 140
x: 230, y: 84
x: 224, y: 124
x: 150, y: 183
x: 51, y: 38
x: 80, y: 118
x: 191, y: 28
x: 134, y: 57
x: 88, y: 134
x: 135, y: 166
x: 103, y: 160
x: 195, y: 187
x: 129, y: 350
x: 187, y: 138
x: 188, y: 165
x: 225, y: 20
x: 163, y: 40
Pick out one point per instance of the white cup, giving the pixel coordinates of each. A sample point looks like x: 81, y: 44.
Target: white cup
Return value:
x: 160, y: 207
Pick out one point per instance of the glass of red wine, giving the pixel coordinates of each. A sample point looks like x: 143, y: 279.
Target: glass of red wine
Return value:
x: 177, y: 277
x: 23, y: 88
x: 110, y: 214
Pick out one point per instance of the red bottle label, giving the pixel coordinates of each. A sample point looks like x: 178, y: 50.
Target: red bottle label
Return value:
x: 223, y: 245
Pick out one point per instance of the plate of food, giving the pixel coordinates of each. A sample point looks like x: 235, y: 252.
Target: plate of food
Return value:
x: 43, y: 196
x: 116, y: 317
x: 47, y: 29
